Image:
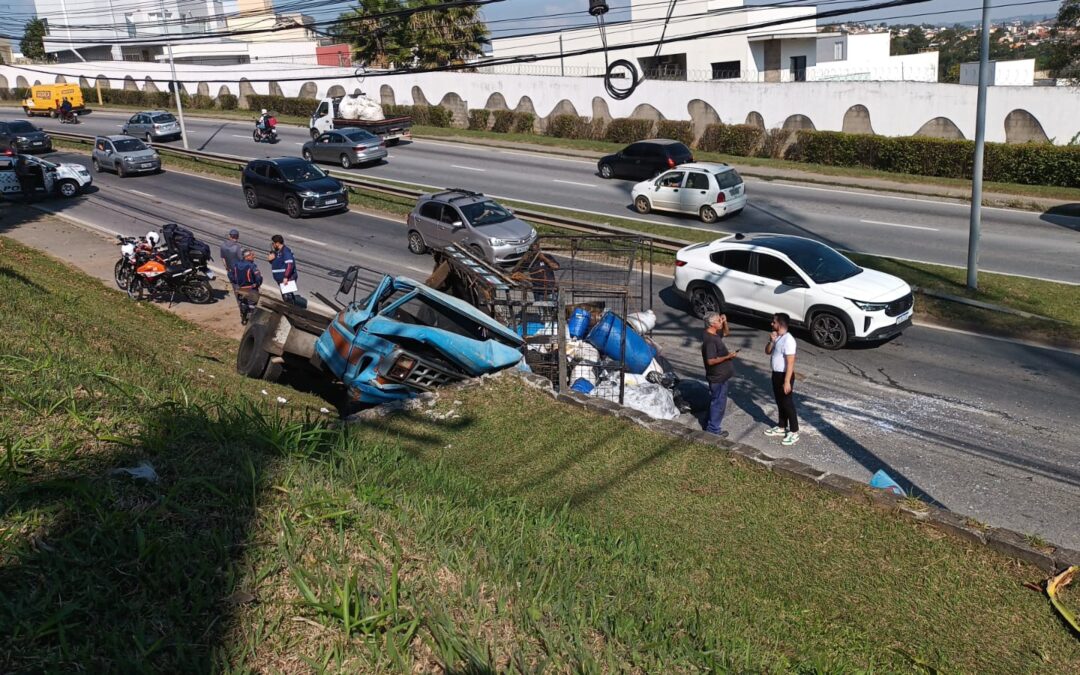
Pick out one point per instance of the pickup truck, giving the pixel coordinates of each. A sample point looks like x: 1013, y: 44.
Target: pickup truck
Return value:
x: 327, y: 116
x: 403, y: 339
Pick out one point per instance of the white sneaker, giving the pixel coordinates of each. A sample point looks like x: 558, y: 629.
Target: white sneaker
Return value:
x: 775, y: 431
x: 791, y: 439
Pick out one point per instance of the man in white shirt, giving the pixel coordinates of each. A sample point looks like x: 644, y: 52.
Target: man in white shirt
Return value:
x: 781, y: 348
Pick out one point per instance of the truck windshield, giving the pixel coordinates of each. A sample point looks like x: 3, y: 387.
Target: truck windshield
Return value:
x: 423, y: 311
x: 485, y: 213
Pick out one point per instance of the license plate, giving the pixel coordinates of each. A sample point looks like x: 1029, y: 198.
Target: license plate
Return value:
x: 146, y: 165
x: 904, y: 317
x: 521, y: 249
x: 735, y: 192
x: 332, y: 201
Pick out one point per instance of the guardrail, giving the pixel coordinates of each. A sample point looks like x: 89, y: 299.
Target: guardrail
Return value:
x: 661, y: 243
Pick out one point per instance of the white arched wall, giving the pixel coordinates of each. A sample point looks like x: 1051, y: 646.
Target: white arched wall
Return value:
x: 896, y: 108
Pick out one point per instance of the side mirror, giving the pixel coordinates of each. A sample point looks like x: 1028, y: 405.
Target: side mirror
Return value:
x: 349, y: 280
x: 794, y: 282
x: 457, y: 224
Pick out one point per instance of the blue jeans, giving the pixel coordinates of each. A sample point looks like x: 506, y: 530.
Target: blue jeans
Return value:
x: 717, y: 405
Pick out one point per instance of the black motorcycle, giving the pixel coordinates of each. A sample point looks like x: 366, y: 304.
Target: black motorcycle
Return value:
x: 261, y: 135
x: 70, y: 117
x: 156, y: 277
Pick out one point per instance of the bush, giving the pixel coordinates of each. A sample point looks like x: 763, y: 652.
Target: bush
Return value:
x: 479, y: 118
x: 504, y: 120
x: 568, y: 126
x: 228, y: 102
x: 422, y: 115
x: 283, y: 105
x: 628, y: 130
x: 524, y: 123
x: 741, y: 140
x: 776, y: 144
x: 678, y: 130
x: 202, y: 102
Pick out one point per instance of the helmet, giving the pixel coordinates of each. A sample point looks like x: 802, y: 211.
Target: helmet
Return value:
x: 152, y: 238
x: 263, y: 111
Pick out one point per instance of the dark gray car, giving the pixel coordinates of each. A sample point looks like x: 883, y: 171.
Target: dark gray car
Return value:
x: 152, y: 125
x: 345, y: 147
x: 124, y: 155
x: 22, y: 136
x: 455, y: 216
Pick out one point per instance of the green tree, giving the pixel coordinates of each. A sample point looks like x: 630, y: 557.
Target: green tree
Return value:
x: 379, y: 42
x: 427, y: 38
x: 32, y: 45
x: 446, y: 36
x: 1064, y: 57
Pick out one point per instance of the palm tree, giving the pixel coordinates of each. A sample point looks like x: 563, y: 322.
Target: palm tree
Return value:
x: 449, y: 36
x: 379, y: 42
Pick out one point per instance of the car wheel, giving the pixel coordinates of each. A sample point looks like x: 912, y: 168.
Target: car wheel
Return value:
x: 416, y: 243
x: 346, y: 163
x: 292, y: 207
x: 120, y: 170
x: 393, y: 141
x: 96, y: 164
x: 27, y: 111
x: 307, y: 154
x: 828, y: 331
x: 477, y: 251
x: 642, y: 205
x: 605, y: 171
x: 704, y: 300
x: 149, y: 139
x: 251, y: 198
x: 68, y: 188
x: 707, y: 214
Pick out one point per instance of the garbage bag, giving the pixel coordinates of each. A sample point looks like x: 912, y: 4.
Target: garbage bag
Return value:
x: 360, y: 108
x: 642, y: 322
x: 651, y: 399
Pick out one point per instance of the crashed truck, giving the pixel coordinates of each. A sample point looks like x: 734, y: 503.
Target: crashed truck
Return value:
x: 402, y: 339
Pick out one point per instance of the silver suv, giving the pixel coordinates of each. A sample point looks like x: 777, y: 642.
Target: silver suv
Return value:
x: 457, y: 216
x: 152, y: 125
x: 124, y: 155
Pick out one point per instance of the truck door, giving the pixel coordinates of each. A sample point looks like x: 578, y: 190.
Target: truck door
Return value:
x: 321, y: 121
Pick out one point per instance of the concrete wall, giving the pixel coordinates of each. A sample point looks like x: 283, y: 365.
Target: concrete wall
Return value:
x: 893, y: 108
x: 1018, y: 73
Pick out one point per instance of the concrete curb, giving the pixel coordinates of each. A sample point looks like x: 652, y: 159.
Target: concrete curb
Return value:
x: 1047, y: 557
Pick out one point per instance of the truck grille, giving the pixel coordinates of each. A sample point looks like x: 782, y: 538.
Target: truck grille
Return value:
x: 898, y: 307
x: 424, y: 376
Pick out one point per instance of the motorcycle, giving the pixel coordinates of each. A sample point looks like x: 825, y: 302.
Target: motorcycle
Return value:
x: 267, y: 135
x: 156, y: 276
x: 124, y: 269
x: 71, y: 117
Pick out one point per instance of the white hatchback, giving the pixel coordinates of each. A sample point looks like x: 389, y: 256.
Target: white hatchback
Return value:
x: 707, y: 190
x: 815, y: 285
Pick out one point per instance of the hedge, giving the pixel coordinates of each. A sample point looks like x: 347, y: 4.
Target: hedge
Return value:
x: 283, y: 105
x: 628, y: 130
x: 1028, y: 163
x: 678, y: 130
x: 422, y: 115
x: 479, y: 118
x: 228, y: 101
x: 741, y: 140
x: 511, y: 121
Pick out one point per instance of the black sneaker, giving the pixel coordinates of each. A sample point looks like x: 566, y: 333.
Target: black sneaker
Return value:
x: 243, y: 321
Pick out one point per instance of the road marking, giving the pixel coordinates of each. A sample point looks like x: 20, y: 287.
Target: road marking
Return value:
x: 467, y: 168
x: 213, y: 213
x: 310, y: 241
x: 963, y: 267
x: 572, y: 182
x: 297, y: 143
x: 241, y: 135
x: 910, y: 227
x: 498, y: 149
x: 1014, y: 341
x: 142, y: 194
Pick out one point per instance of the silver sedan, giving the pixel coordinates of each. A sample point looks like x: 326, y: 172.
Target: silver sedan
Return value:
x: 347, y: 147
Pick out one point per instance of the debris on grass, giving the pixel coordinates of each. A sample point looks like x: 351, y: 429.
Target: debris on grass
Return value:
x: 143, y: 471
x: 1054, y: 585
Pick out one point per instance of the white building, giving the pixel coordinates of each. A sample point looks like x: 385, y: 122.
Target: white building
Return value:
x: 751, y: 51
x: 1018, y: 73
x: 865, y: 56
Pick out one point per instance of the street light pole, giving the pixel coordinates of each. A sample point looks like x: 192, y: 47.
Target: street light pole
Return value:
x: 175, y: 83
x: 980, y: 147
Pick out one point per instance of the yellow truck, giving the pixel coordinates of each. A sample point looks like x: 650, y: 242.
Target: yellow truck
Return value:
x: 45, y: 99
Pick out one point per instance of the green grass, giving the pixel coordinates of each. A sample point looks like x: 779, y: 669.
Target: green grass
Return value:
x: 494, y: 531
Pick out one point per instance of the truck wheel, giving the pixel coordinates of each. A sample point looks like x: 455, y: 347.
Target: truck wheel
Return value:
x: 68, y: 188
x: 314, y: 134
x: 251, y: 358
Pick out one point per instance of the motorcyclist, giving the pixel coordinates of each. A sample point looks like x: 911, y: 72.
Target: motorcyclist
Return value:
x: 264, y: 122
x: 65, y: 109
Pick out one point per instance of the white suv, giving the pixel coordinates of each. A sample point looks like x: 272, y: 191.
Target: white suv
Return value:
x: 819, y: 288
x: 707, y: 190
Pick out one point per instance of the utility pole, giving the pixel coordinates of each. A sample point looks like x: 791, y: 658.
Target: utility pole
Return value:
x: 980, y: 147
x: 175, y: 83
x: 562, y: 67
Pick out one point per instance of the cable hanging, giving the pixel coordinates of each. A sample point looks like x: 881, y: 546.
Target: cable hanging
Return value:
x: 619, y: 92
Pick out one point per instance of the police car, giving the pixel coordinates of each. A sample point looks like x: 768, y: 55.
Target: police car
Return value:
x: 64, y: 180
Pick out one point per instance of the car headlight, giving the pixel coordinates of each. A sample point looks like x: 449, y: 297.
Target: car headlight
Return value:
x: 21, y: 139
x: 532, y: 233
x: 869, y: 306
x: 309, y: 194
x: 497, y: 242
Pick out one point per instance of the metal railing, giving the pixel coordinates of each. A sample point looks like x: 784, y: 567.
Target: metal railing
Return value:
x: 354, y: 183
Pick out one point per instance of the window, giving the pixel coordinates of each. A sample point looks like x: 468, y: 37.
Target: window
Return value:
x: 697, y: 181
x: 727, y: 70
x: 325, y: 138
x: 359, y: 136
x: 738, y: 261
x: 672, y: 179
x: 728, y: 179
x: 838, y: 50
x: 432, y: 210
x: 635, y: 150
x: 771, y: 267
x: 486, y: 213
x: 299, y: 172
x: 450, y: 215
x: 134, y: 119
x: 129, y: 145
x: 273, y: 173
x: 798, y: 68
x: 322, y: 109
x: 164, y: 119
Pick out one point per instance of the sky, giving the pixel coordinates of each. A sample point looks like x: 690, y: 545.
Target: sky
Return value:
x: 502, y: 13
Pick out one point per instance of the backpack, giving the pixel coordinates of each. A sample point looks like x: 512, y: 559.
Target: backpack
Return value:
x: 182, y: 241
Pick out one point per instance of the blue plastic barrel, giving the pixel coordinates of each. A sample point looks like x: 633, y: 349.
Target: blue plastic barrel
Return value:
x: 607, y: 337
x: 579, y: 323
x: 534, y: 328
x: 582, y: 385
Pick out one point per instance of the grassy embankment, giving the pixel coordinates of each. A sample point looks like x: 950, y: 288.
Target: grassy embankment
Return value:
x: 495, y: 530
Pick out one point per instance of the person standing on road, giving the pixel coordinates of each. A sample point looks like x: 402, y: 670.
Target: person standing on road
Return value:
x: 283, y: 267
x: 246, y: 279
x: 231, y: 253
x: 781, y: 348
x: 718, y: 369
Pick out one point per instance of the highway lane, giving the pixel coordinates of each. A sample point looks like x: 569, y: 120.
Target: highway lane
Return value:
x: 1013, y: 242
x: 982, y: 426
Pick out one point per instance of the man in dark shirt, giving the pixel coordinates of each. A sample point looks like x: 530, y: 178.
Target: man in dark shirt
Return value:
x: 718, y: 369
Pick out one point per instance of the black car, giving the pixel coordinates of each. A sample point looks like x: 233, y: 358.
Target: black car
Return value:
x: 294, y: 184
x: 21, y: 136
x: 644, y: 159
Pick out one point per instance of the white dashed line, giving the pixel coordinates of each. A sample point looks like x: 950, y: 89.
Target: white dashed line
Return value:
x: 909, y: 227
x: 310, y: 241
x: 467, y: 168
x: 571, y: 182
x: 213, y: 213
x: 142, y: 194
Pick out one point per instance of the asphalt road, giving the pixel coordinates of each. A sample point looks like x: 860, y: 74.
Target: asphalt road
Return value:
x: 1014, y: 242
x: 985, y: 427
